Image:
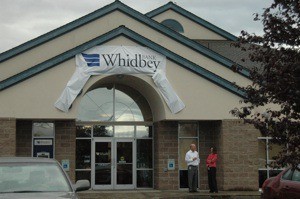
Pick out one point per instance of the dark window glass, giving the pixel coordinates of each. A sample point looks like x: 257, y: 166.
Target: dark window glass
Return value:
x: 103, y: 131
x: 103, y: 153
x: 124, y: 174
x: 262, y: 174
x: 296, y: 176
x: 102, y: 174
x: 144, y: 178
x: 103, y: 163
x: 124, y: 163
x: 83, y: 131
x: 144, y: 153
x: 287, y: 175
x: 173, y: 24
x: 124, y: 152
x: 83, y: 175
x: 83, y: 154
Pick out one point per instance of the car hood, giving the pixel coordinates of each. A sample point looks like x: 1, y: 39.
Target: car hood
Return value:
x: 40, y: 195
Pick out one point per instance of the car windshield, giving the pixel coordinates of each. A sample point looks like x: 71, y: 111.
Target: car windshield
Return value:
x: 32, y: 177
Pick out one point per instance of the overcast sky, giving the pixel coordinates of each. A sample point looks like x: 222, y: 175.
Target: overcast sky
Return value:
x: 23, y: 20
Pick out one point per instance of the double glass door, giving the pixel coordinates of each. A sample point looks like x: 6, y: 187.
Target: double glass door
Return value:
x: 113, y: 163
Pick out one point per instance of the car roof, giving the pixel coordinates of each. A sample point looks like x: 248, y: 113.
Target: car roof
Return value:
x: 26, y: 160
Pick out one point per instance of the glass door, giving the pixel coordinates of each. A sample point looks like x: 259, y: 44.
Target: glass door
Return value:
x: 125, y: 164
x: 113, y: 163
x: 102, y: 164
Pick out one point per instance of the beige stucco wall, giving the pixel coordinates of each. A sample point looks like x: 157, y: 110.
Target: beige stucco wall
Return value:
x: 191, y: 29
x: 34, y: 98
x: 101, y: 26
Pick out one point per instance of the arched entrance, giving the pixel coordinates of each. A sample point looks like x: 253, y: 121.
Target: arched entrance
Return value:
x: 114, y: 143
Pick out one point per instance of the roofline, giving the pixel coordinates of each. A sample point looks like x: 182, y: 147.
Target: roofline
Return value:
x: 192, y: 17
x: 117, y: 5
x: 121, y: 31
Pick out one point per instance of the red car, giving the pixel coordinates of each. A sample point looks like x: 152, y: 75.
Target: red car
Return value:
x: 286, y: 185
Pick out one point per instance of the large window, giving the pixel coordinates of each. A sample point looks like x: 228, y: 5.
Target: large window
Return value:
x: 266, y: 151
x: 187, y: 133
x: 114, y: 103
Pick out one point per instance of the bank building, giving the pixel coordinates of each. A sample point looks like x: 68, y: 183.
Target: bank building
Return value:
x: 118, y: 96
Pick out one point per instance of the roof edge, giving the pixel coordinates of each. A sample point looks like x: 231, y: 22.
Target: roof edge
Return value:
x: 132, y: 13
x: 57, y: 32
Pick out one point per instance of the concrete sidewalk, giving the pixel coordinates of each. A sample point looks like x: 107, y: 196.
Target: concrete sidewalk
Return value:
x: 161, y: 194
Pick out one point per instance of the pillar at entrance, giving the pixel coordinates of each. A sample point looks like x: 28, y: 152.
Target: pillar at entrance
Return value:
x: 8, y: 137
x: 65, y: 144
x: 165, y: 147
x: 239, y: 155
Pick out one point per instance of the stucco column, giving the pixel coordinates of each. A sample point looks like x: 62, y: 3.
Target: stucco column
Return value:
x: 8, y: 137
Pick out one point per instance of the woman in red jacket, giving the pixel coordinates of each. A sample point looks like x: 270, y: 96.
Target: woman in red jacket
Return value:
x: 211, y: 164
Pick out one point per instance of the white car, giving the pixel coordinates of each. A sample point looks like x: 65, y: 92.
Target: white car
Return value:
x: 36, y: 178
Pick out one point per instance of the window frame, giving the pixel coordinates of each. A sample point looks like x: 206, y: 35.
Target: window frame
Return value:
x: 186, y: 137
x: 42, y: 137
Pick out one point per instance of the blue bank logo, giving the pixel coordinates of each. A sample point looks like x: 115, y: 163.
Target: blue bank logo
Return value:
x: 91, y: 59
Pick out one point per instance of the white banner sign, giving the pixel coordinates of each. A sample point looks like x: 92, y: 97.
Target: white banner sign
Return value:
x: 119, y: 60
x: 42, y: 142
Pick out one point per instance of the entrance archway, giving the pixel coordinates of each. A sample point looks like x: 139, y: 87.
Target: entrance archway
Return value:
x: 114, y: 142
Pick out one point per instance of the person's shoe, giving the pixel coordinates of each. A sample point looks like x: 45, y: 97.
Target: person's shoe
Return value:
x: 210, y: 191
x: 190, y: 191
x: 216, y: 191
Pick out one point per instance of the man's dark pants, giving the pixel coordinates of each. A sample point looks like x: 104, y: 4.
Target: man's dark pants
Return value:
x: 193, y: 178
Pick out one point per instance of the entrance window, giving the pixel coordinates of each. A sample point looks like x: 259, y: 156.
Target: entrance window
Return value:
x: 113, y: 103
x: 124, y: 131
x: 83, y: 152
x: 114, y: 121
x: 102, y: 131
x: 266, y: 151
x: 143, y: 165
x: 187, y: 133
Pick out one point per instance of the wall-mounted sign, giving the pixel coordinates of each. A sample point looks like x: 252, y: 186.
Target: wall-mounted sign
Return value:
x: 65, y: 165
x: 171, y: 164
x: 43, y: 147
x: 43, y: 142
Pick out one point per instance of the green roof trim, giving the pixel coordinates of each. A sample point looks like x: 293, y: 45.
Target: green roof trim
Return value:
x: 117, y: 5
x: 122, y: 31
x: 192, y: 17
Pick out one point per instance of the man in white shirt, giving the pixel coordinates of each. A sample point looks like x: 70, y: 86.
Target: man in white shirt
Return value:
x: 192, y: 159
